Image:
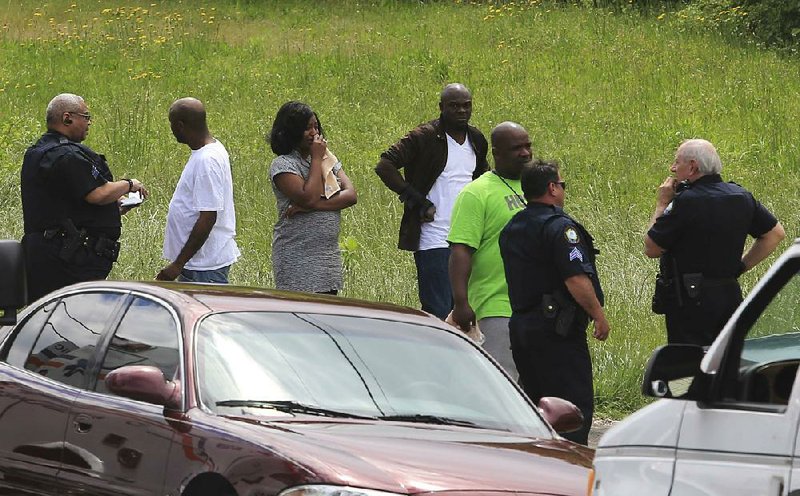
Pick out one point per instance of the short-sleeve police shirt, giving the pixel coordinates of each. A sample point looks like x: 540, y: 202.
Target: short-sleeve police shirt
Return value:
x: 55, y: 187
x: 705, y: 226
x: 542, y: 247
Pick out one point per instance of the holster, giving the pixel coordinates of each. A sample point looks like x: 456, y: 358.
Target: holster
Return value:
x: 72, y: 239
x: 569, y: 316
x: 107, y: 248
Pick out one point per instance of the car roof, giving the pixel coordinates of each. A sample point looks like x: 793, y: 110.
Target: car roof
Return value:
x: 210, y: 298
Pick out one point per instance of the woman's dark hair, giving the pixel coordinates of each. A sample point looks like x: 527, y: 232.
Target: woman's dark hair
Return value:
x: 290, y: 124
x: 536, y: 176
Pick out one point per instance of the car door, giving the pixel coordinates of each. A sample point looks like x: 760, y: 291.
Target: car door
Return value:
x: 743, y: 441
x: 42, y: 371
x: 130, y: 440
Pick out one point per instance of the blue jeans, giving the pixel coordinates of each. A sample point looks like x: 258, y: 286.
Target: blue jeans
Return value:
x: 433, y: 278
x: 219, y: 276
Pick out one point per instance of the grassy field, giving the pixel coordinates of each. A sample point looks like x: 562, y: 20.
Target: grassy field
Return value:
x: 610, y: 96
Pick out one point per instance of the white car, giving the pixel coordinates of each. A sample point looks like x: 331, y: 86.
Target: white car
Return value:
x: 729, y: 419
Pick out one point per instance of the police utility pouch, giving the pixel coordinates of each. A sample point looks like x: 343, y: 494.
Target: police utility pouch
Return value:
x: 549, y: 306
x: 661, y: 295
x: 693, y: 284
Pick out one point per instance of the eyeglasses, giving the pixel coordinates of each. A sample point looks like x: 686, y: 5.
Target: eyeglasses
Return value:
x: 86, y: 116
x: 563, y: 184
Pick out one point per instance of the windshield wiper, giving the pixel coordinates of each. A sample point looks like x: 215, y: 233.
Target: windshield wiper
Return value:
x: 429, y: 419
x: 291, y: 407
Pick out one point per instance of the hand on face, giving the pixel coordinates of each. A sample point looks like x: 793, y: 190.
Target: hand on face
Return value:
x: 318, y: 146
x: 666, y: 192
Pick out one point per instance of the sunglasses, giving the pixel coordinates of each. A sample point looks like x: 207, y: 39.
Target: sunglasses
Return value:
x: 563, y: 184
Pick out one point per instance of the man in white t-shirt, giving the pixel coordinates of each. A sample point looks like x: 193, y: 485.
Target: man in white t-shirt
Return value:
x: 201, y: 222
x: 438, y: 158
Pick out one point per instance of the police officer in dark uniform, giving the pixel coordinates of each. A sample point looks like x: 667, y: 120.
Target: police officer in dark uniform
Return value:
x: 698, y: 230
x: 70, y: 203
x: 555, y: 291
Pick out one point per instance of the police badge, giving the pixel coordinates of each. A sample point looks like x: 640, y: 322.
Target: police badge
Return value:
x: 571, y: 235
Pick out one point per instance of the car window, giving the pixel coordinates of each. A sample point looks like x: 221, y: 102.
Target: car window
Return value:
x: 20, y: 345
x: 362, y: 366
x: 64, y: 350
x: 146, y: 335
x: 771, y: 351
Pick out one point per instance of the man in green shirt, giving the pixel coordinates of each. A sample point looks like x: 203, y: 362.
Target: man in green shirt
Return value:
x: 482, y: 210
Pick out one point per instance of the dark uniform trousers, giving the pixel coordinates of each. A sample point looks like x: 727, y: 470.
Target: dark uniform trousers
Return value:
x: 553, y: 365
x: 699, y: 320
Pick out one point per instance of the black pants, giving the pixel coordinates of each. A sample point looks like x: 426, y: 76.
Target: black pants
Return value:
x: 552, y: 365
x: 700, y: 320
x: 47, y: 272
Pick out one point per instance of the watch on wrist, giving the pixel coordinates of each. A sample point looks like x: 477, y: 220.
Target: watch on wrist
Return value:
x: 130, y: 184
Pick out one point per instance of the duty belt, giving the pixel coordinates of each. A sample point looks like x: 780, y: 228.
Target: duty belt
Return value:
x: 73, y: 238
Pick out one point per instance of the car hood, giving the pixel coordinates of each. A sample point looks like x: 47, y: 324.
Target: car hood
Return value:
x: 421, y: 458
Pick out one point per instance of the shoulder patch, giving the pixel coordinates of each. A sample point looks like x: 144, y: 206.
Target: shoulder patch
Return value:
x: 571, y: 235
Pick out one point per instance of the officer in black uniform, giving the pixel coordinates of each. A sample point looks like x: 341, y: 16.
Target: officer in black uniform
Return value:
x: 554, y: 290
x: 698, y: 230
x: 70, y: 203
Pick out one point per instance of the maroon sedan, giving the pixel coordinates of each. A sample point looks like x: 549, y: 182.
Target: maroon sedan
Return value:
x: 125, y: 388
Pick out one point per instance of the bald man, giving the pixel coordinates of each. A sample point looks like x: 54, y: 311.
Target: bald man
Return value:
x: 698, y: 231
x: 201, y: 222
x: 481, y: 211
x: 70, y: 203
x: 439, y: 158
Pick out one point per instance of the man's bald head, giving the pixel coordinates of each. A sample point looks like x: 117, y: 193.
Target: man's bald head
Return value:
x: 187, y: 119
x: 504, y: 131
x: 455, y: 105
x: 511, y: 149
x: 454, y: 90
x: 190, y: 111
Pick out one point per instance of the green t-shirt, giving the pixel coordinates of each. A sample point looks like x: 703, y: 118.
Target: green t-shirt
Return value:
x: 482, y: 210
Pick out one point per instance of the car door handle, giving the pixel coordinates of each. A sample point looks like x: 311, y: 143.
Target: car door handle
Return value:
x: 83, y: 424
x: 776, y: 486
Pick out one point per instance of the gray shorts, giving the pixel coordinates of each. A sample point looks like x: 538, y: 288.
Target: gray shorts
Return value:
x: 498, y: 343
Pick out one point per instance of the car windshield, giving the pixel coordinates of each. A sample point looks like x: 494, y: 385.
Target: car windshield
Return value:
x: 270, y: 363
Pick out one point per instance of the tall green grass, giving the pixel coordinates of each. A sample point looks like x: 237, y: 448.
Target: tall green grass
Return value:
x: 609, y: 95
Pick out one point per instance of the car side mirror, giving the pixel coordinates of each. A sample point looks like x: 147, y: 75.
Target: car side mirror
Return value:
x: 561, y: 414
x: 144, y: 383
x: 673, y: 371
x: 13, y: 288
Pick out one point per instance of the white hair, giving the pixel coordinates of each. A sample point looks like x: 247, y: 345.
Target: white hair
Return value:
x: 704, y: 153
x: 65, y: 102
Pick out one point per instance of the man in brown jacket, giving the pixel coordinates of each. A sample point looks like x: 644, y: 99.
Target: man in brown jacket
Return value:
x: 439, y: 158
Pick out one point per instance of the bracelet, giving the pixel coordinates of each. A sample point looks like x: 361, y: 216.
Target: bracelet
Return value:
x: 130, y: 184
